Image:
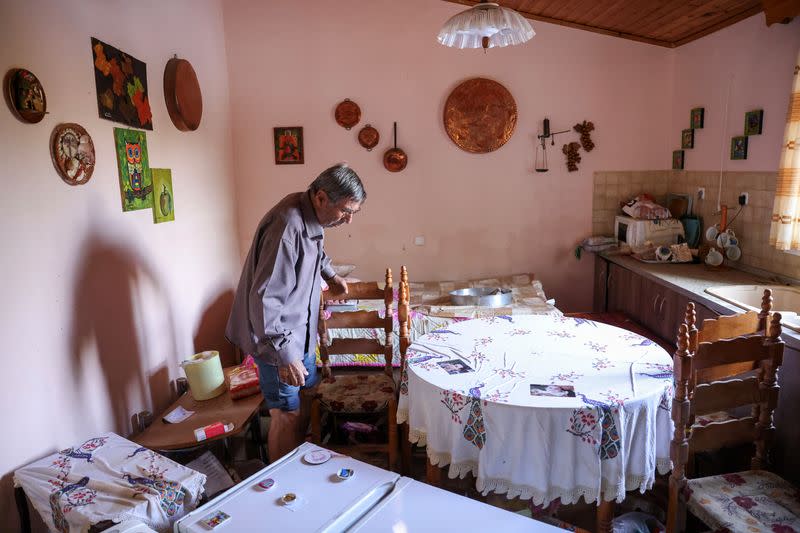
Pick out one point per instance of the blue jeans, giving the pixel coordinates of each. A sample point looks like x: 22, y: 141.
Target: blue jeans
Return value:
x: 278, y: 394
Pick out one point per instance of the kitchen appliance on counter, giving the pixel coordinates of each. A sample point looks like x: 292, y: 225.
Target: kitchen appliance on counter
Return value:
x: 635, y: 232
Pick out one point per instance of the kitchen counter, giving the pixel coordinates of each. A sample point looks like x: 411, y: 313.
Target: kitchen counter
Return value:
x: 692, y: 280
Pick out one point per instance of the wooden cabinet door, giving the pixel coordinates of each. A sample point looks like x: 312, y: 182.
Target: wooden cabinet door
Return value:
x: 600, y: 284
x: 787, y: 430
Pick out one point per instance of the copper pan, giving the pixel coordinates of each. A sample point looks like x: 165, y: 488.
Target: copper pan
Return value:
x: 395, y: 159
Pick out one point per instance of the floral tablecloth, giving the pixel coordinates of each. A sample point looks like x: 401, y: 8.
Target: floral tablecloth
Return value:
x: 109, y: 478
x: 541, y: 407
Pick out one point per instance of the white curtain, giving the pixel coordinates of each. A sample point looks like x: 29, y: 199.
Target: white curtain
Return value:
x: 784, y: 233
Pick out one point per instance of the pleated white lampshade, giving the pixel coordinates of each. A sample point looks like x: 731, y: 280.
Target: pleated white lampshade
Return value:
x: 485, y: 25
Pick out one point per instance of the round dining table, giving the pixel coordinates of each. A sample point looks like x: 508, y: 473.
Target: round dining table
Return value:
x: 541, y: 407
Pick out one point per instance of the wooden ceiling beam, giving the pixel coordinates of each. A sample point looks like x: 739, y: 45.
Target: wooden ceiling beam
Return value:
x: 725, y: 23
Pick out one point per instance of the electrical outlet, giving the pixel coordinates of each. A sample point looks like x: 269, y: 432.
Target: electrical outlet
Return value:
x: 744, y: 198
x: 701, y: 193
x: 419, y: 240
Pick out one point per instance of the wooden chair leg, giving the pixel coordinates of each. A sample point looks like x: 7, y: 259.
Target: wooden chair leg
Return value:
x: 433, y: 474
x: 316, y: 422
x: 605, y: 514
x: 393, y: 444
x: 405, y: 449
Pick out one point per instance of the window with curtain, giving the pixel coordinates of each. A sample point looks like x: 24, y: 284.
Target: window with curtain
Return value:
x: 784, y: 232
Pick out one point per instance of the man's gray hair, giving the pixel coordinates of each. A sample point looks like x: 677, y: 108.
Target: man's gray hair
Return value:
x: 339, y: 182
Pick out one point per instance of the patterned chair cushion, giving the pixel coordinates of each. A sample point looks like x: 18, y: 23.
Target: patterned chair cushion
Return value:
x: 356, y: 393
x: 719, y: 416
x: 746, y: 502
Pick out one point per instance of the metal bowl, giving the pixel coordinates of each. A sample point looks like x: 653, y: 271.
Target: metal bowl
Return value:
x: 481, y: 296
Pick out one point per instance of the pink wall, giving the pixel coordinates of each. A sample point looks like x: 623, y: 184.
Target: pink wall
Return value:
x: 292, y: 62
x: 99, y: 305
x: 748, y: 66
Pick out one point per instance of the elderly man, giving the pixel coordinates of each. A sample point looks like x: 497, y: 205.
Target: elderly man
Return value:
x: 275, y: 312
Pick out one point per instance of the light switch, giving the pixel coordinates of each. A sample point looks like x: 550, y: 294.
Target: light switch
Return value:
x: 419, y: 240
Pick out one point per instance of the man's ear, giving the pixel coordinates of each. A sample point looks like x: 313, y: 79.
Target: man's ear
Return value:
x: 321, y: 197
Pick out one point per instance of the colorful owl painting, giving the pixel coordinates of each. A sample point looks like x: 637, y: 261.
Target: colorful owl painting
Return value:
x: 135, y: 181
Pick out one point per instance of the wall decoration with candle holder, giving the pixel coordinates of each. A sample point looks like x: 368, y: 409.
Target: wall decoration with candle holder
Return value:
x: 541, y: 147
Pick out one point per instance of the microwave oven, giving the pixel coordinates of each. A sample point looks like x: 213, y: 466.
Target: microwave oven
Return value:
x: 635, y: 232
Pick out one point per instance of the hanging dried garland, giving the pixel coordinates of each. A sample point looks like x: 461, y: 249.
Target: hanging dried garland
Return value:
x: 573, y: 157
x: 584, y: 129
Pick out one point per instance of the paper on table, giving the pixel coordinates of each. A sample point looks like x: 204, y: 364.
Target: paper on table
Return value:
x: 217, y: 478
x: 179, y: 414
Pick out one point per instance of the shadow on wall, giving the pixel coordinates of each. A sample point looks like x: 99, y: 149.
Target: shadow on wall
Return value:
x: 104, y: 316
x: 210, y: 334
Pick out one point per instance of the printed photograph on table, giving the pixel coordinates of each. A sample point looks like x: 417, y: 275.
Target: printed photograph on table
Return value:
x: 455, y: 366
x: 135, y: 181
x: 288, y: 145
x: 697, y: 118
x: 739, y: 147
x: 163, y: 202
x: 677, y: 160
x: 753, y: 122
x: 121, y: 83
x: 562, y: 391
x: 687, y: 139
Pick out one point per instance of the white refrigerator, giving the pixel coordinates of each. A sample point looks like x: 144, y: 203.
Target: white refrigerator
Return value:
x: 372, y: 499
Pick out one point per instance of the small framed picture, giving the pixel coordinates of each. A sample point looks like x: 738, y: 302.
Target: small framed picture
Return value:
x: 677, y: 160
x: 288, y: 145
x: 739, y: 147
x: 753, y: 122
x: 687, y: 139
x: 697, y: 118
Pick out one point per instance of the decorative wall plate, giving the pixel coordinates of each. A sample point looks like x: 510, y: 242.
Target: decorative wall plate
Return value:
x: 25, y: 95
x: 347, y: 114
x: 368, y: 137
x: 480, y: 115
x: 182, y: 94
x: 72, y: 151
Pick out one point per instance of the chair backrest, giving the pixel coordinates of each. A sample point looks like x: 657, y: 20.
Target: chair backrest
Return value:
x: 362, y: 290
x: 403, y: 310
x: 726, y: 327
x: 765, y: 351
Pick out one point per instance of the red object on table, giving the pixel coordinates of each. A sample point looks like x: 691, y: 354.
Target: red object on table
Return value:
x: 243, y: 380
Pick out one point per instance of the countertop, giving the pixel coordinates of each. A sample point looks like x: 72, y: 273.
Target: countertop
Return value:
x: 692, y: 280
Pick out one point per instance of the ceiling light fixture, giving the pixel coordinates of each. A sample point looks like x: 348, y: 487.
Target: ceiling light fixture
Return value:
x: 485, y: 25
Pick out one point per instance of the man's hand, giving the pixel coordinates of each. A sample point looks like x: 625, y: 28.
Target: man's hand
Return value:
x: 293, y: 374
x: 337, y: 285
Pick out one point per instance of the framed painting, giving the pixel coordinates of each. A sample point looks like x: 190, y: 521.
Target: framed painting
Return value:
x: 163, y: 197
x: 677, y: 160
x: 753, y: 122
x: 687, y: 138
x: 135, y: 181
x: 739, y: 147
x: 288, y: 145
x: 121, y: 83
x: 697, y: 118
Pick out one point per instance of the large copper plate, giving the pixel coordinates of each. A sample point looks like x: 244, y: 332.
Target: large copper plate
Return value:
x: 347, y: 113
x: 72, y: 151
x: 182, y: 95
x: 480, y: 115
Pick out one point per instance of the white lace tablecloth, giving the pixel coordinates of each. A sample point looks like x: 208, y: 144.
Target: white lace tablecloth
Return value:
x: 607, y: 439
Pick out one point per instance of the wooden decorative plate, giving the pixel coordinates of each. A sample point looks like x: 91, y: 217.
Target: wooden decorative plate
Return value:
x: 347, y: 114
x: 480, y: 115
x: 182, y: 95
x: 25, y: 95
x: 72, y: 151
x: 368, y: 137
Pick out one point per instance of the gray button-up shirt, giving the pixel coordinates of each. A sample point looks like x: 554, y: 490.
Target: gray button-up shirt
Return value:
x: 276, y: 307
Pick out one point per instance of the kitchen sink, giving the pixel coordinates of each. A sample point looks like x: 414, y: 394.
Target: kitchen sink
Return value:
x: 785, y: 300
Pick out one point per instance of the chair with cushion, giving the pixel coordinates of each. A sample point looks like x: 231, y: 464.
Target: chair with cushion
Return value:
x: 750, y: 501
x: 362, y: 395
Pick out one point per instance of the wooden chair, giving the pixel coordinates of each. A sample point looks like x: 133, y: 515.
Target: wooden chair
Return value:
x: 754, y: 500
x: 358, y: 394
